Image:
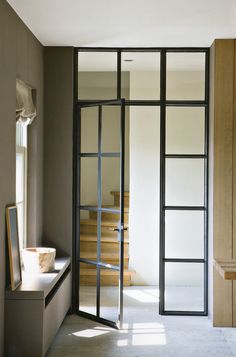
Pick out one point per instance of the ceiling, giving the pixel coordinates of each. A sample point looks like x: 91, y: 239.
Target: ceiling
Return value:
x: 128, y: 23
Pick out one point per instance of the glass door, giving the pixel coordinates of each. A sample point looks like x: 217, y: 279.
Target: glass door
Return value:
x: 100, y: 226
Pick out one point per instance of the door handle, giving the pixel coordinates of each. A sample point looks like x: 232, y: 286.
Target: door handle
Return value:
x: 117, y: 229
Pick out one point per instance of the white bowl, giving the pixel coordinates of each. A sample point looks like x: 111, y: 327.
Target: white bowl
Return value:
x: 39, y: 259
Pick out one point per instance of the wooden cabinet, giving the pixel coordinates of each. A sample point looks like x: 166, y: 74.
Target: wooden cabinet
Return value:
x: 35, y: 311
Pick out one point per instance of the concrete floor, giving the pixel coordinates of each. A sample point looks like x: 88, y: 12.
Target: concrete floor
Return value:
x: 145, y: 333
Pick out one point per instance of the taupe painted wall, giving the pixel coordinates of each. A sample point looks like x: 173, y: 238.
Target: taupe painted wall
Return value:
x: 58, y: 147
x: 21, y: 55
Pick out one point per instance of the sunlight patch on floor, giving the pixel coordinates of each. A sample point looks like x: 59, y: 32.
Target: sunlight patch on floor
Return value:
x: 89, y: 333
x: 144, y: 296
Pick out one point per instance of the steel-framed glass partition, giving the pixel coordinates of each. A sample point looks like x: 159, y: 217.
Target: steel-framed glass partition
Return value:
x: 188, y: 215
x: 191, y: 212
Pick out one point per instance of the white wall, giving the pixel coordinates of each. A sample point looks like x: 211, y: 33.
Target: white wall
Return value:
x: 144, y: 194
x: 184, y: 184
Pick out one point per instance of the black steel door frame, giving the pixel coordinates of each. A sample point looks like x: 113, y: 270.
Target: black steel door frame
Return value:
x: 163, y: 103
x: 99, y: 209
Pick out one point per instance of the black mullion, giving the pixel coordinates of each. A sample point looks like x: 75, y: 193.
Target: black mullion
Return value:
x: 206, y: 182
x: 162, y: 180
x: 141, y: 49
x: 184, y: 313
x: 185, y: 156
x: 119, y: 74
x: 94, y: 154
x: 121, y: 228
x: 184, y: 260
x: 77, y: 181
x: 87, y: 103
x: 88, y: 154
x: 99, y: 214
x: 75, y: 279
x: 186, y: 103
x: 139, y: 102
x: 184, y: 208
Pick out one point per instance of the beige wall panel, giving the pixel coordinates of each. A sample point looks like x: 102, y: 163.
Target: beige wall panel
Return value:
x: 234, y: 156
x: 223, y: 309
x: 234, y: 189
x: 223, y: 146
x: 222, y: 110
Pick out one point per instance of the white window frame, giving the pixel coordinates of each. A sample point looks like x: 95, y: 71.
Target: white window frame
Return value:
x: 21, y: 149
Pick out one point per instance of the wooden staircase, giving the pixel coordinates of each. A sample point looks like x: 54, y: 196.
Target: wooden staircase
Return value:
x: 109, y: 245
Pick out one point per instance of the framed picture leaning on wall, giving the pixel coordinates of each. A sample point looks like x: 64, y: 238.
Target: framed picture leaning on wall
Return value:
x: 13, y: 247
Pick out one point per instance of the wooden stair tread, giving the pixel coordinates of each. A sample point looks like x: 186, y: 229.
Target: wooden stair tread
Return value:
x: 109, y: 244
x: 104, y: 238
x: 105, y: 255
x: 93, y: 222
x: 104, y: 272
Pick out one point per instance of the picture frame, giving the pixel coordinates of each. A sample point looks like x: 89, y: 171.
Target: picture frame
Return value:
x: 13, y: 246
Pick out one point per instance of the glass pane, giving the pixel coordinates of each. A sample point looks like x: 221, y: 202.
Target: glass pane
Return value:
x: 110, y: 249
x: 184, y: 286
x: 185, y: 76
x: 111, y: 128
x: 109, y: 294
x: 87, y: 288
x: 21, y: 135
x: 88, y: 235
x: 97, y: 75
x: 89, y: 181
x: 89, y: 129
x: 140, y: 75
x: 20, y: 185
x: 184, y: 234
x: 185, y: 130
x: 110, y: 179
x: 184, y: 182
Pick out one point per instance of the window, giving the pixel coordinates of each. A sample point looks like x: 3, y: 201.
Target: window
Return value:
x: 21, y: 181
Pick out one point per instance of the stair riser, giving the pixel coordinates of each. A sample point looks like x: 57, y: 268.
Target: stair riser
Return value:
x: 105, y: 247
x: 113, y: 217
x: 117, y: 201
x: 105, y: 281
x: 92, y: 229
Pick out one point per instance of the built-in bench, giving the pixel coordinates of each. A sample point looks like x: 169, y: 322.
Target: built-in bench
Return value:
x: 36, y: 309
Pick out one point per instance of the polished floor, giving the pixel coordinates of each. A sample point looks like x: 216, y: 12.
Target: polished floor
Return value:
x: 145, y: 333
